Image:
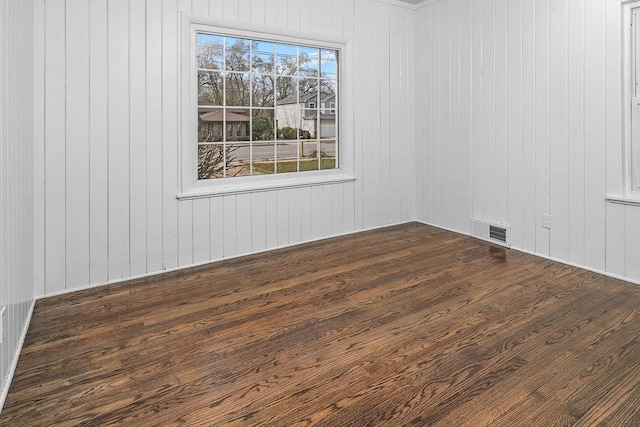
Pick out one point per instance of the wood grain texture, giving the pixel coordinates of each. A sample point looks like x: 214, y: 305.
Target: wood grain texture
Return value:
x: 406, y: 325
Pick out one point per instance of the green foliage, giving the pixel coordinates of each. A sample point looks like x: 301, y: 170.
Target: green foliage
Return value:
x: 262, y: 129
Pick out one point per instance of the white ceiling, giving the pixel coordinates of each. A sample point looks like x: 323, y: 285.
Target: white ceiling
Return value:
x: 411, y: 1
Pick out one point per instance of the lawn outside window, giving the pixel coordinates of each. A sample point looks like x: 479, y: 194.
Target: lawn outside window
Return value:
x: 261, y: 109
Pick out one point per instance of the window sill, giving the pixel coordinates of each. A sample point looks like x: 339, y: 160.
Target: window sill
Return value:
x: 624, y: 200
x: 254, y: 187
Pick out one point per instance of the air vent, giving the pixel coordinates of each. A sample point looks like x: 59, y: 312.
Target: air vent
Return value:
x: 498, y: 233
x: 493, y: 232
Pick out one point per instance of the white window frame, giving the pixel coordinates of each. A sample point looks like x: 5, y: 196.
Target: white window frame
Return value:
x: 190, y: 187
x: 631, y: 98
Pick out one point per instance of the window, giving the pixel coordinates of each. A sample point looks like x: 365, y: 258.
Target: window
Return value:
x: 632, y: 98
x: 252, y: 108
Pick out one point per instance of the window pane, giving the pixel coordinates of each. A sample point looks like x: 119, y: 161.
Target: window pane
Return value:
x: 263, y: 91
x: 238, y: 87
x: 210, y: 51
x: 211, y: 161
x: 237, y: 124
x: 239, y: 163
x: 237, y: 54
x: 329, y: 87
x: 263, y: 125
x: 289, y: 121
x: 328, y: 63
x: 309, y: 155
x: 210, y: 88
x: 210, y: 125
x: 286, y: 59
x: 264, y: 158
x: 327, y: 126
x: 308, y: 123
x: 286, y: 90
x: 263, y: 58
x: 308, y: 62
x: 308, y: 90
x: 328, y: 154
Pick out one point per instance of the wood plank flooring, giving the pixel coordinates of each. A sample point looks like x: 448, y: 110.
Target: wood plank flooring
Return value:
x: 407, y: 325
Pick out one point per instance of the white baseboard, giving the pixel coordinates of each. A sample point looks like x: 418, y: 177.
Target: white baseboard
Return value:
x: 18, y: 350
x: 561, y: 261
x: 171, y: 270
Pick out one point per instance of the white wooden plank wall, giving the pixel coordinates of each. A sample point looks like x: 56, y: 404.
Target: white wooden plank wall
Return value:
x: 106, y: 150
x: 528, y: 93
x: 16, y: 177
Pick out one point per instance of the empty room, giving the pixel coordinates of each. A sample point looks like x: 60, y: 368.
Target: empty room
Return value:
x: 335, y: 213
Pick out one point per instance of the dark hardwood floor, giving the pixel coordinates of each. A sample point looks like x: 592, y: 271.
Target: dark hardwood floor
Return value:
x: 408, y: 325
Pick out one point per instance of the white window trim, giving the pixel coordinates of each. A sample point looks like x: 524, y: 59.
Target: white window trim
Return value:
x: 189, y: 186
x: 631, y: 166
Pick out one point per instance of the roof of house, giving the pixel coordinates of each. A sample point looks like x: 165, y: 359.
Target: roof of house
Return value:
x: 216, y: 116
x: 293, y: 99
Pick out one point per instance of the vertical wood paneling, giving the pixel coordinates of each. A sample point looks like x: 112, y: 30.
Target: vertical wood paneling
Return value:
x: 514, y: 119
x: 436, y: 111
x: 594, y: 99
x: 138, y: 138
x: 501, y: 177
x: 119, y: 142
x: 632, y: 242
x: 185, y: 233
x: 258, y: 222
x: 55, y: 147
x: 294, y: 215
x: 488, y: 148
x: 154, y: 193
x: 543, y: 118
x: 327, y: 210
x: 617, y: 241
x: 19, y: 41
x: 530, y: 220
x: 126, y: 204
x: 444, y: 157
x: 243, y: 203
x: 466, y: 138
x: 98, y: 143
x: 385, y: 153
x: 476, y: 108
x: 283, y: 217
x: 542, y: 123
x: 558, y: 131
x: 216, y: 227
x: 456, y: 111
x: 229, y: 224
x: 575, y: 111
x: 77, y: 154
x: 169, y: 133
x: 317, y: 225
x: 395, y: 118
x: 201, y: 233
x: 39, y: 162
x: 617, y: 256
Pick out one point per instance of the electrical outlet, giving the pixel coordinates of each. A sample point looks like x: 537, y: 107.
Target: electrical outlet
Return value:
x: 3, y: 310
x: 546, y: 221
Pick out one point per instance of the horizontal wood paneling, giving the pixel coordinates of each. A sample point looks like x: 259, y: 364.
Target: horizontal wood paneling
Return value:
x: 16, y: 177
x: 109, y: 209
x: 541, y: 118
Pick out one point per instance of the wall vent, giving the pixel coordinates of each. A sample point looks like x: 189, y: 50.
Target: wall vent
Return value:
x: 491, y: 231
